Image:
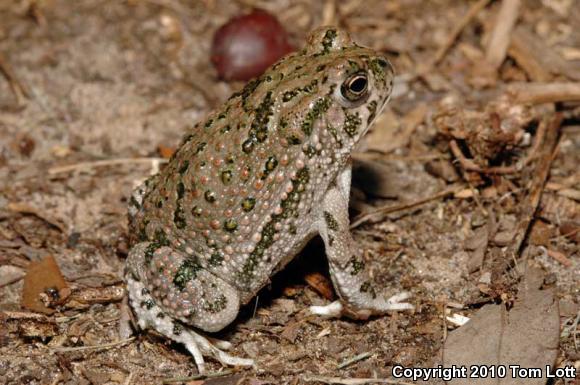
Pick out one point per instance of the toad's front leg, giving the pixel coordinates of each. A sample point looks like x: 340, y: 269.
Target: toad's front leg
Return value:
x: 349, y: 273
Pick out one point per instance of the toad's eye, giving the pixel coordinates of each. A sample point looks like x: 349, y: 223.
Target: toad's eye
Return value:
x: 354, y: 89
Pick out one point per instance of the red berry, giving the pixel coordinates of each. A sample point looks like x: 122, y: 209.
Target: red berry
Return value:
x: 246, y: 45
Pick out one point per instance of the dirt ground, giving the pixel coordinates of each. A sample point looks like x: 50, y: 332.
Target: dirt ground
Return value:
x: 93, y: 94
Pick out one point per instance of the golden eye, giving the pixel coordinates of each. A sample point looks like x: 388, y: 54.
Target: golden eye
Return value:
x: 355, y: 87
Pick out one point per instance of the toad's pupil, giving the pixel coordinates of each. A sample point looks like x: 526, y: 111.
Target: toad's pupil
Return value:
x: 358, y: 85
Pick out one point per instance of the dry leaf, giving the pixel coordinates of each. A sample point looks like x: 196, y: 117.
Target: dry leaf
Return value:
x: 42, y: 278
x: 320, y: 284
x: 526, y: 335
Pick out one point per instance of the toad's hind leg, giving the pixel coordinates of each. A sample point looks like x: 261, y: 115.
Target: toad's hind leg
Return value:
x: 170, y: 292
x: 351, y: 277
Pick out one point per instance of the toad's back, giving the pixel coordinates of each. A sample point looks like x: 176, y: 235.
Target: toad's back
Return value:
x: 236, y: 198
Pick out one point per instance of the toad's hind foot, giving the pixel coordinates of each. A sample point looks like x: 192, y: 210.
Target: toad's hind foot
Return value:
x: 377, y: 306
x: 151, y: 316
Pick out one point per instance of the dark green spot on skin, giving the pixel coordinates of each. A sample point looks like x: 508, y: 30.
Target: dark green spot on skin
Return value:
x: 133, y: 202
x: 372, y: 107
x: 208, y: 123
x: 200, y: 147
x: 230, y: 225
x: 270, y: 166
x: 184, y: 167
x: 259, y: 126
x: 289, y: 95
x: 312, y: 87
x: 320, y: 68
x: 330, y: 240
x: 353, y: 66
x: 185, y: 273
x: 271, y: 163
x: 294, y: 139
x: 352, y: 123
x: 179, y: 216
x: 221, y: 116
x: 225, y: 129
x: 330, y: 221
x: 160, y: 315
x: 303, y: 176
x: 261, y: 135
x: 328, y: 40
x: 319, y: 108
x: 331, y: 90
x: 378, y: 66
x: 186, y: 138
x: 216, y: 306
x: 148, y: 304
x: 143, y: 231
x: 357, y: 265
x: 334, y: 134
x: 216, y: 258
x: 292, y: 229
x: 248, y: 204
x: 159, y: 204
x: 209, y: 196
x: 177, y: 329
x: 160, y: 240
x: 180, y: 190
x: 196, y: 211
x: 246, y: 92
x: 310, y: 151
x: 226, y: 176
x: 248, y: 145
x: 367, y: 287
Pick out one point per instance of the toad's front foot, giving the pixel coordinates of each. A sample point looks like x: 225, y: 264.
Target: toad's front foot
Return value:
x: 337, y: 309
x: 197, y: 344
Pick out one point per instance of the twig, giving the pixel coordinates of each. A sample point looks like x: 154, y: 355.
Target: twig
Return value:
x: 387, y: 209
x: 527, y: 56
x: 539, y: 57
x: 102, y: 163
x: 404, y: 158
x: 537, y: 93
x: 197, y: 377
x: 501, y: 34
x: 128, y: 379
x: 352, y: 360
x: 96, y: 347
x: 471, y: 13
x: 354, y: 381
x: 530, y: 205
x: 559, y: 257
x: 17, y: 87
